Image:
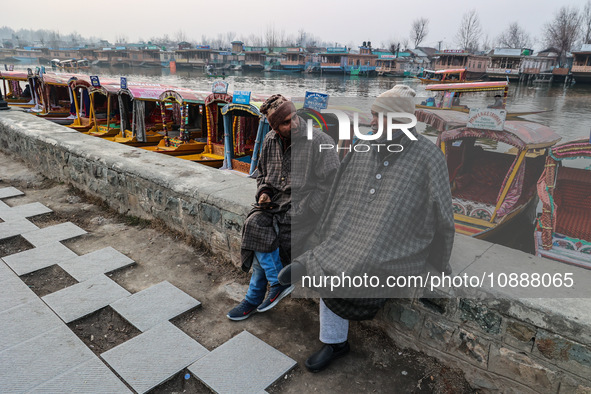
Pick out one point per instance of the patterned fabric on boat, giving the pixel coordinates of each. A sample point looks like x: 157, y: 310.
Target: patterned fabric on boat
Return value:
x: 473, y: 209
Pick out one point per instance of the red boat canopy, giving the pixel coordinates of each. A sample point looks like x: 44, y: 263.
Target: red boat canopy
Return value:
x: 523, y: 135
x: 442, y: 119
x: 14, y: 75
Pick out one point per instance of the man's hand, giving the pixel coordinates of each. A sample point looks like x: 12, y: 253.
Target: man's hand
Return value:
x: 263, y: 198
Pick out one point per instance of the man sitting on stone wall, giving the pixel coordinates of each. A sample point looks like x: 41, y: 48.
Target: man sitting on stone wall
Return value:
x: 267, y: 237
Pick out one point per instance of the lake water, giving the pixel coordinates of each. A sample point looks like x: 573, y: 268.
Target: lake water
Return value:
x: 570, y: 105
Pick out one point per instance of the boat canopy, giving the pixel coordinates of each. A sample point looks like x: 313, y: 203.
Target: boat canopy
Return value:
x: 14, y: 75
x: 521, y: 134
x: 146, y: 92
x: 222, y: 97
x: 242, y: 109
x: 184, y: 96
x: 571, y: 150
x: 469, y: 87
x: 441, y: 119
x: 451, y: 71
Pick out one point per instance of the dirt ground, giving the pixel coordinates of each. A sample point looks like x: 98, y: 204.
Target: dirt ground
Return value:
x: 375, y: 364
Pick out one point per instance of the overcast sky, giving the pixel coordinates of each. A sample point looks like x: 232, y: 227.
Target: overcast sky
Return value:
x: 343, y: 22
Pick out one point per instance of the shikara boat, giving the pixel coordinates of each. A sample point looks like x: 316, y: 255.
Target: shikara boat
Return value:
x: 18, y: 89
x: 213, y: 153
x: 92, y: 109
x: 105, y: 104
x: 244, y: 131
x: 142, y: 114
x: 72, y: 65
x: 449, y: 96
x: 444, y: 76
x: 563, y: 231
x: 490, y: 189
x: 55, y: 96
x: 189, y: 106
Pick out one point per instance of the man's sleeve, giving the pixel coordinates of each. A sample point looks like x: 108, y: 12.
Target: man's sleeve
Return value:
x: 325, y: 168
x: 443, y: 239
x: 262, y: 185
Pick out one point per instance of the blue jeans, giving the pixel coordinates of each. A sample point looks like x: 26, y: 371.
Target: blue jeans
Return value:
x: 265, y: 268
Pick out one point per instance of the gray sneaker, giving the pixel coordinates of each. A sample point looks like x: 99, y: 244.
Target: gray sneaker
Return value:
x: 276, y: 294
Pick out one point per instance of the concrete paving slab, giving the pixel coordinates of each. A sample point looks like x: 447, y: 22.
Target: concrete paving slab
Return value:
x: 22, y: 211
x: 154, y: 305
x: 59, y: 232
x: 16, y: 227
x: 223, y: 370
x: 26, y: 321
x: 95, y: 263
x: 154, y: 356
x: 41, y: 257
x: 84, y: 298
x: 40, y: 359
x: 7, y: 192
x: 13, y: 292
x: 5, y: 271
x: 93, y: 376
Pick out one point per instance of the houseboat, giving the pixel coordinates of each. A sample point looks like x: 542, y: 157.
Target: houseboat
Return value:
x: 563, y: 231
x: 197, y: 57
x: 505, y: 63
x: 363, y: 62
x: 333, y: 60
x: 581, y: 70
x: 293, y: 60
x: 254, y: 59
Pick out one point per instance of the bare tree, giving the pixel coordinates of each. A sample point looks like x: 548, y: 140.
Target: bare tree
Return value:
x: 230, y: 37
x: 515, y: 37
x: 419, y: 30
x: 271, y: 37
x: 394, y: 47
x: 180, y: 36
x: 586, y: 23
x: 121, y: 39
x: 562, y: 32
x: 469, y: 32
x: 302, y: 38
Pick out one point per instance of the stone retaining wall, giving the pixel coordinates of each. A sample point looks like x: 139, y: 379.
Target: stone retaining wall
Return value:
x: 503, y: 344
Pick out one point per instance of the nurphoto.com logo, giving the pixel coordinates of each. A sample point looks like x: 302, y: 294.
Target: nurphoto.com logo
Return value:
x: 365, y: 143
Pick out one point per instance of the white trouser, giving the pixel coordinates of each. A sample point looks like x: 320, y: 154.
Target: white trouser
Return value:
x: 333, y: 328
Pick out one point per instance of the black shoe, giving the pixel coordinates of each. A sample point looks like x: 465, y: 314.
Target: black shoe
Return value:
x: 322, y: 358
x: 291, y: 273
x: 276, y: 294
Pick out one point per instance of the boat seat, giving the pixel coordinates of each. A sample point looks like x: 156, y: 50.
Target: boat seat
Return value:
x: 573, y: 202
x: 485, y: 177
